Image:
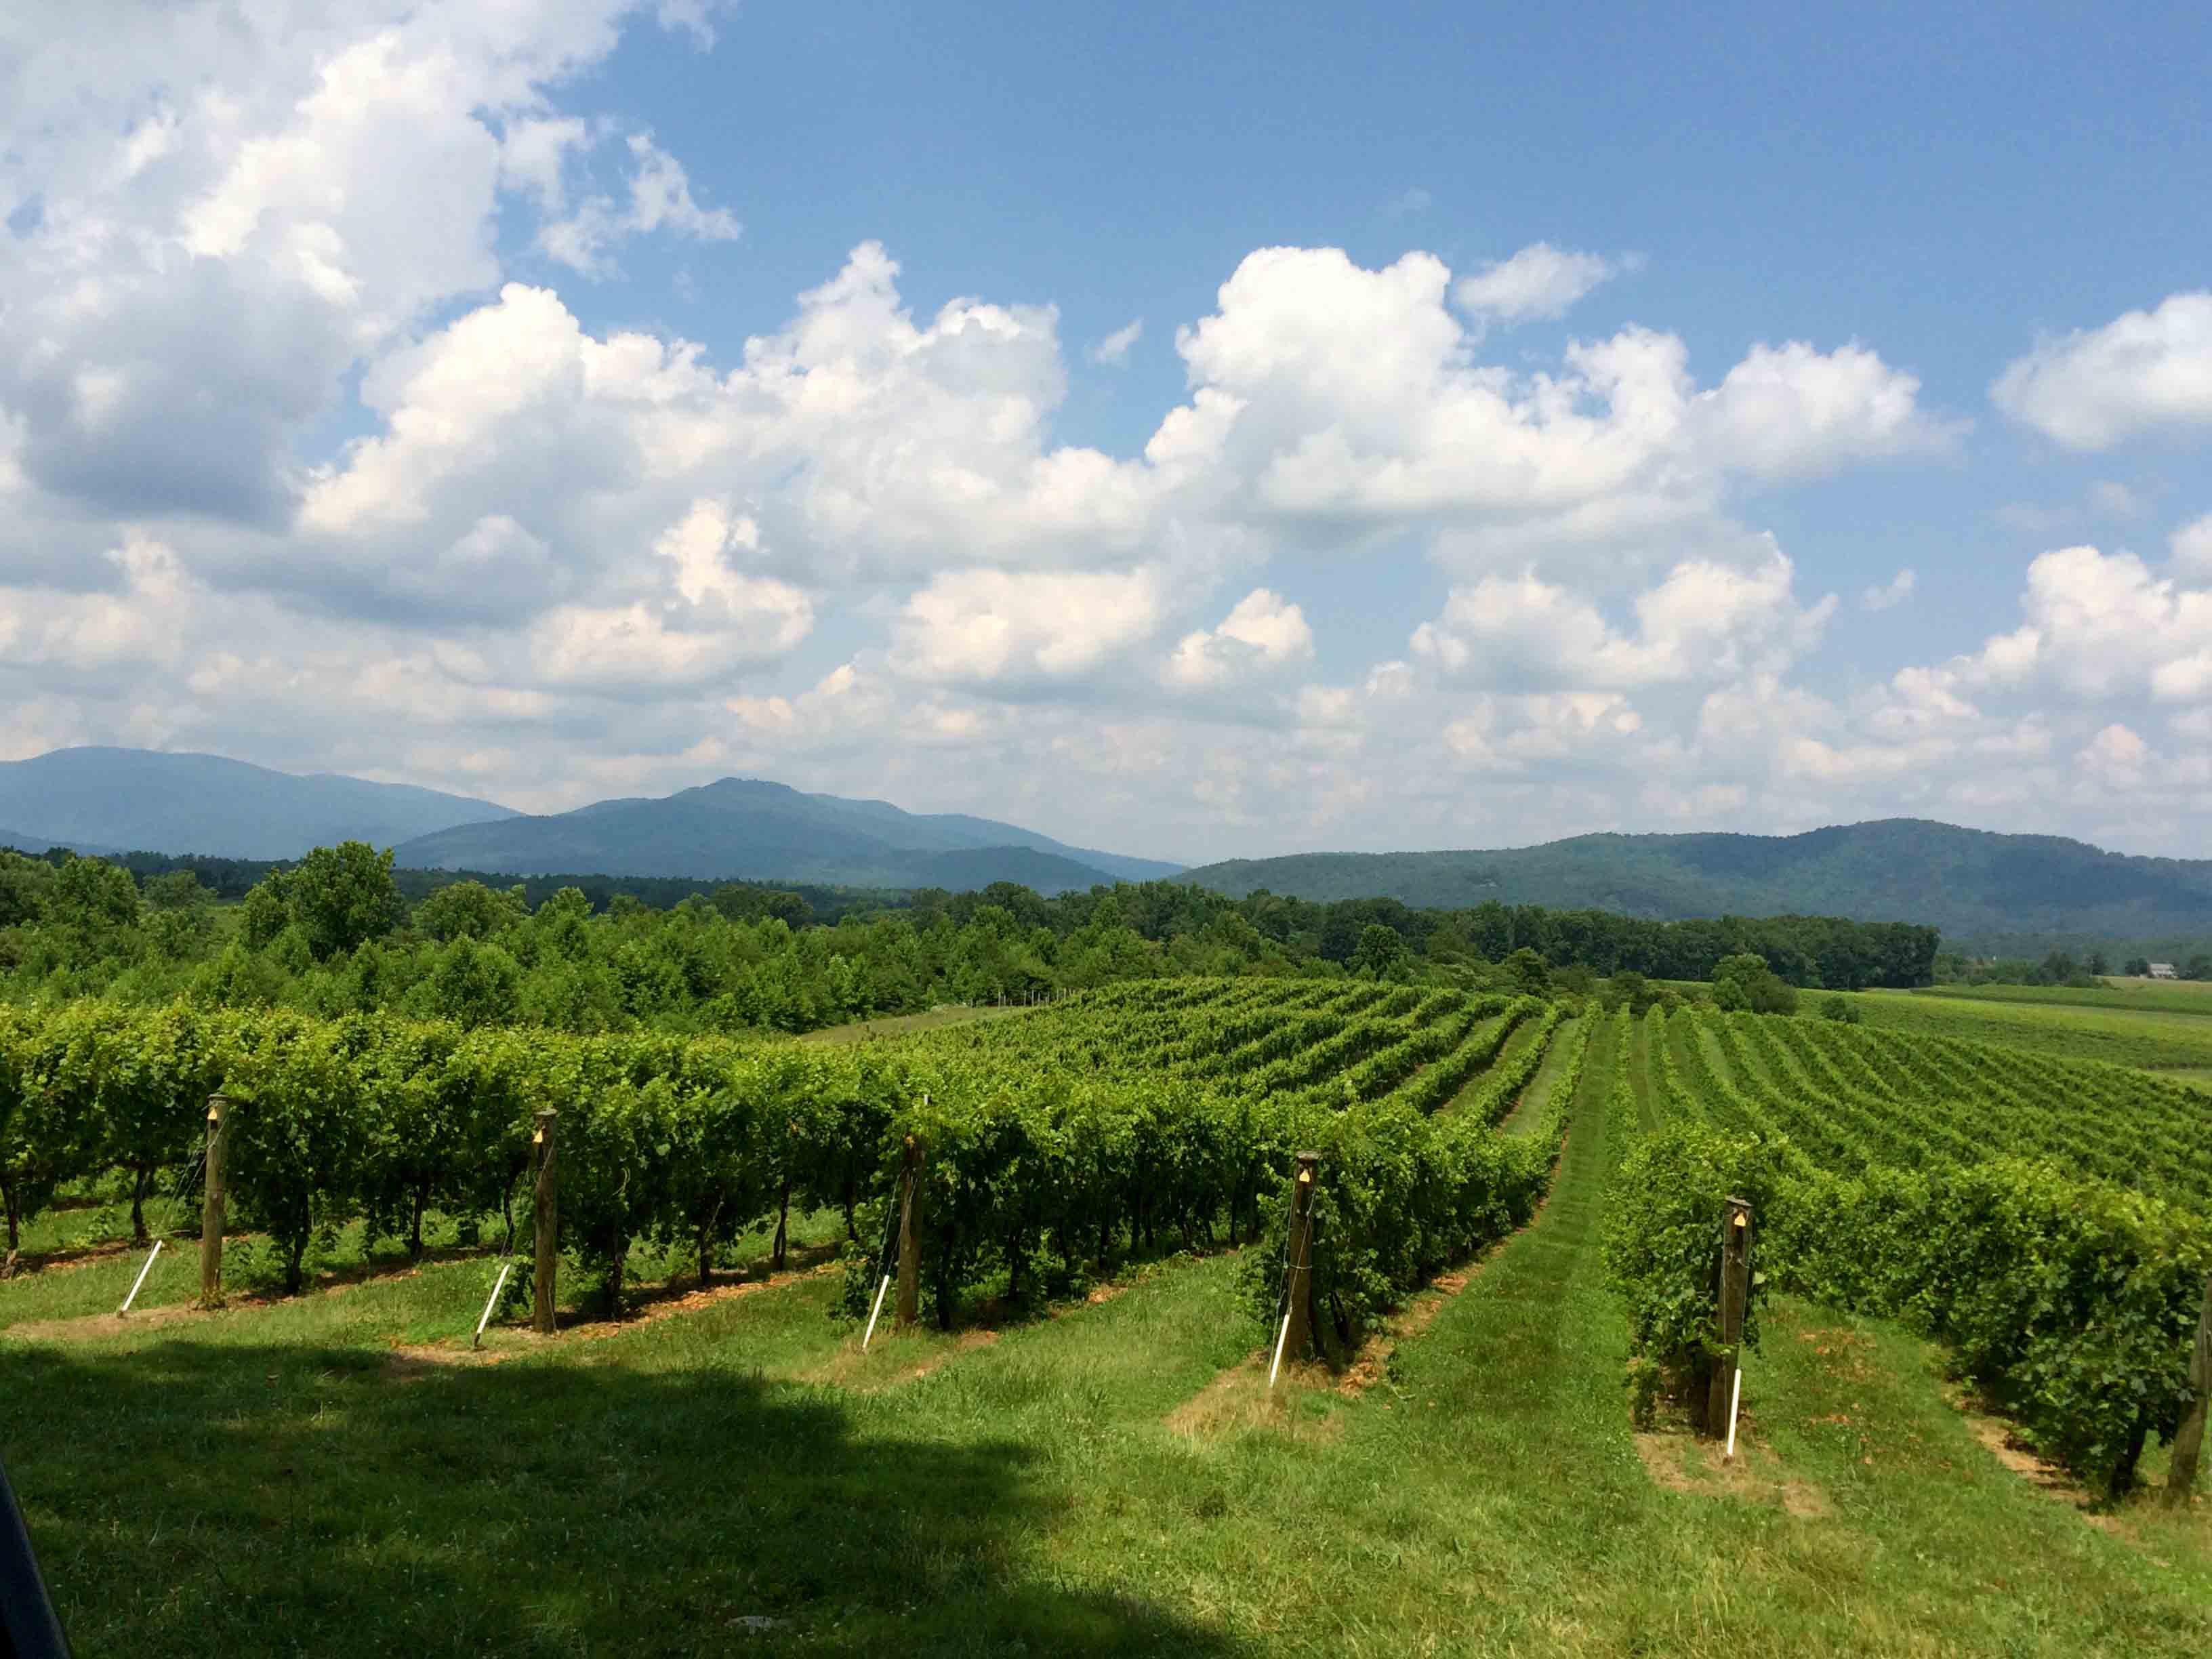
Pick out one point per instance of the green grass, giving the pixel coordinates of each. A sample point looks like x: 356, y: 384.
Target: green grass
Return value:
x: 1525, y: 1116
x: 279, y: 1479
x: 381, y: 1293
x: 2139, y: 995
x: 2151, y: 1038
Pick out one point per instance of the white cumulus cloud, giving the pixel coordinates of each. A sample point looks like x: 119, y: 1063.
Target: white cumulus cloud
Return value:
x: 984, y: 626
x: 558, y: 556
x: 1262, y: 631
x: 2092, y: 388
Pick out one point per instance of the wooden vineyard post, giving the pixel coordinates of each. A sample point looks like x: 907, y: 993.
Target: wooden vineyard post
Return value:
x: 1736, y: 1298
x: 2189, y: 1440
x: 1298, y: 1277
x: 546, y: 1205
x: 211, y: 1203
x: 909, y: 1234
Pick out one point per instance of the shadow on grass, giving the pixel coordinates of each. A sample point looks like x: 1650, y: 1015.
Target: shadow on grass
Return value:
x: 277, y: 1499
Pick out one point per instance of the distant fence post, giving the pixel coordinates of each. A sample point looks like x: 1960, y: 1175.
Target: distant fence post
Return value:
x: 1735, y: 1298
x: 910, y: 1237
x: 211, y: 1203
x: 1297, y: 1335
x: 545, y: 1210
x: 2189, y: 1440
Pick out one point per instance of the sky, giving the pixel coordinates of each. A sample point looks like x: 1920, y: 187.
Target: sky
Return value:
x: 1197, y: 432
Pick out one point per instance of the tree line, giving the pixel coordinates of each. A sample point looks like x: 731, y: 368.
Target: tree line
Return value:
x: 337, y: 932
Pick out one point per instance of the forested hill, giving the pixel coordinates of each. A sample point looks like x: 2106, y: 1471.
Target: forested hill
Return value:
x: 1971, y: 884
x: 751, y: 829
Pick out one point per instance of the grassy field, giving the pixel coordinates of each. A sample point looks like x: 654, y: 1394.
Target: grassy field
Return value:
x: 2142, y: 995
x: 333, y: 1474
x: 2121, y: 1032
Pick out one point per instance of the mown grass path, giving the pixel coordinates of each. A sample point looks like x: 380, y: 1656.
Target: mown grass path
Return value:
x: 1564, y: 1041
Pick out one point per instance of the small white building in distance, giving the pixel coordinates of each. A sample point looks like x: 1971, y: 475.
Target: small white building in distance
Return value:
x: 2163, y: 970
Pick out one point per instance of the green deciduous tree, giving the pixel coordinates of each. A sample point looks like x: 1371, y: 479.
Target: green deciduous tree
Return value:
x: 467, y: 909
x: 343, y: 897
x: 1526, y: 971
x: 1379, y: 951
x: 1745, y: 981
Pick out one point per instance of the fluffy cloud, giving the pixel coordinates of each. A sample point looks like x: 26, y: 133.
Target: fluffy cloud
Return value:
x: 290, y: 191
x: 2094, y: 387
x: 1790, y: 411
x: 1706, y: 621
x: 551, y: 557
x: 2101, y: 625
x: 1016, y: 629
x: 1263, y: 631
x: 1328, y: 397
x: 1540, y: 280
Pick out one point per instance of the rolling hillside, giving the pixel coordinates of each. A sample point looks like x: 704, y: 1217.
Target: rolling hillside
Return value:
x: 1974, y: 885
x: 139, y: 799
x: 751, y: 829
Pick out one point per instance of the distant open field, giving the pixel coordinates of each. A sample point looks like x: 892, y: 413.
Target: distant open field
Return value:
x: 2167, y: 996
x: 2121, y: 1032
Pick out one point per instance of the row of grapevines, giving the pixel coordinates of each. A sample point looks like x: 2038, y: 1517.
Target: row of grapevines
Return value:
x: 1881, y: 1174
x: 380, y: 1118
x: 690, y: 1140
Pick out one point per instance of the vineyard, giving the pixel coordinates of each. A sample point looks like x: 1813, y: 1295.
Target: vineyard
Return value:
x: 1103, y: 1227
x: 2044, y: 1219
x: 1125, y: 1115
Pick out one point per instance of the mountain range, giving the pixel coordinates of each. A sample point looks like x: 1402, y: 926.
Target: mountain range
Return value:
x: 1975, y: 884
x: 99, y: 800
x: 1985, y: 890
x: 751, y: 829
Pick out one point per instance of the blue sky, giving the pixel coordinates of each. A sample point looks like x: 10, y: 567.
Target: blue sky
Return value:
x: 1558, y: 420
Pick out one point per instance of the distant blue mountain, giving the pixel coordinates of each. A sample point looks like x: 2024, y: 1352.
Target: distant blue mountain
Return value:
x: 1975, y: 884
x: 139, y: 799
x: 15, y: 840
x: 750, y: 829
